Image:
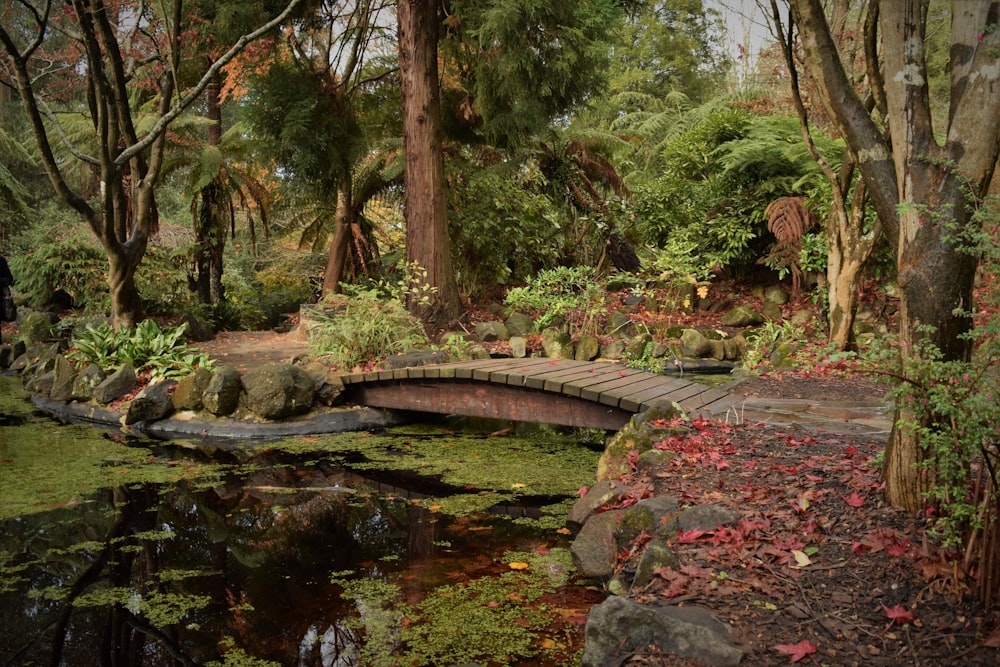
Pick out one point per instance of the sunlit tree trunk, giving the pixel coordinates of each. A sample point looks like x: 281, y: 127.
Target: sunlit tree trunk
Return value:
x: 427, y: 242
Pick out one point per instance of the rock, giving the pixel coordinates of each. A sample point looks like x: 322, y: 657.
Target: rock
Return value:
x: 519, y: 324
x: 489, y: 332
x: 190, y: 390
x: 198, y: 330
x: 661, y: 506
x: 595, y: 498
x: 329, y: 385
x: 636, y: 346
x: 222, y: 395
x: 587, y: 348
x: 415, y: 358
x: 701, y: 517
x: 116, y: 385
x: 151, y: 404
x: 695, y: 343
x: 652, y: 458
x: 557, y: 344
x: 731, y: 349
x: 618, y: 627
x: 613, y: 350
x: 656, y: 555
x: 63, y: 378
x: 636, y: 436
x: 35, y: 327
x: 800, y: 318
x: 718, y: 350
x: 277, y: 391
x: 775, y: 294
x: 619, y: 325
x: 518, y: 347
x: 742, y: 316
x: 86, y: 381
x: 771, y: 311
x: 6, y: 356
x: 595, y: 551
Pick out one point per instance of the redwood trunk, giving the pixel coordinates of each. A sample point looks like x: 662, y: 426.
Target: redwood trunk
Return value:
x: 427, y: 243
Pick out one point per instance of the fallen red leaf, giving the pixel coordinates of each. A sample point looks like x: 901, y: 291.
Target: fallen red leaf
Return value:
x: 854, y: 500
x: 900, y: 614
x: 689, y: 536
x: 796, y: 651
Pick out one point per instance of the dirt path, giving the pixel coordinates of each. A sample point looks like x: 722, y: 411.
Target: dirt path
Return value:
x: 244, y: 350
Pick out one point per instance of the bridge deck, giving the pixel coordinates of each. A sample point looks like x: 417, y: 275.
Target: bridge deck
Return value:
x: 554, y: 391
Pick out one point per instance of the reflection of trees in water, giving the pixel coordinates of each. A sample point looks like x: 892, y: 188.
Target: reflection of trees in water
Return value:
x: 258, y: 547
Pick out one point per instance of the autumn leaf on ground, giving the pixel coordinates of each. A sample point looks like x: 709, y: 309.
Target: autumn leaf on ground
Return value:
x: 689, y: 536
x: 796, y: 651
x: 900, y: 614
x: 854, y: 500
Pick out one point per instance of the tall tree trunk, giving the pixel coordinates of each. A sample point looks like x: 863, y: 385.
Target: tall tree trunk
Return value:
x: 848, y: 250
x: 210, y: 230
x: 427, y: 243
x: 334, y: 273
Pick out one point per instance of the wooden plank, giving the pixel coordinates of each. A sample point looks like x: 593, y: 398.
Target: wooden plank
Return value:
x: 576, y: 387
x: 622, y: 396
x: 593, y: 372
x: 594, y: 391
x: 522, y: 377
x: 666, y: 391
x: 515, y: 373
x: 555, y: 381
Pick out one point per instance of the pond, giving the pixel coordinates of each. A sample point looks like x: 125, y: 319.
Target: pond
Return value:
x: 423, y: 545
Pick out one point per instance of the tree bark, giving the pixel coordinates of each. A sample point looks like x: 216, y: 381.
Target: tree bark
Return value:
x: 428, y: 246
x: 337, y: 260
x: 923, y: 191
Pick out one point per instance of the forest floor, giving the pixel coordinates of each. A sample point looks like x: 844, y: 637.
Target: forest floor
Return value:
x: 820, y: 569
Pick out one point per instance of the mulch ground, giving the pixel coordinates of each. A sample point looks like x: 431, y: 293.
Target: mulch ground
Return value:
x: 819, y: 569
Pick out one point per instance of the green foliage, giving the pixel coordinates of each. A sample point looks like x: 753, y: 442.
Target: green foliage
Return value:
x: 363, y: 327
x: 764, y: 340
x: 556, y: 292
x: 59, y: 252
x: 147, y: 348
x: 521, y: 64
x: 502, y: 229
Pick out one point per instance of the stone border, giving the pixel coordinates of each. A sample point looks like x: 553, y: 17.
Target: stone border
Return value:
x: 189, y: 424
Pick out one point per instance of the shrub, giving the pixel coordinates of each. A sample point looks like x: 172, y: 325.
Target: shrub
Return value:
x: 361, y: 327
x: 557, y: 292
x: 147, y: 348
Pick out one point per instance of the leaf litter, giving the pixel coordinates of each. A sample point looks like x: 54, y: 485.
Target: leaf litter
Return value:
x: 818, y: 569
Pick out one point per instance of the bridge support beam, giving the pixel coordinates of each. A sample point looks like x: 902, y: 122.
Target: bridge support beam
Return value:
x: 477, y: 399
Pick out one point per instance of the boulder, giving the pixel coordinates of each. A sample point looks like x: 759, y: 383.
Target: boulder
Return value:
x: 742, y: 316
x: 151, y: 404
x: 86, y: 381
x: 613, y: 350
x: 595, y: 498
x: 63, y: 379
x: 329, y: 385
x: 190, y: 390
x: 489, y: 332
x: 695, y: 343
x: 775, y: 294
x: 519, y: 324
x: 587, y: 348
x: 36, y: 326
x: 595, y: 551
x: 278, y: 391
x: 636, y: 346
x: 518, y: 347
x: 116, y: 385
x: 557, y: 344
x: 222, y: 395
x: 618, y: 627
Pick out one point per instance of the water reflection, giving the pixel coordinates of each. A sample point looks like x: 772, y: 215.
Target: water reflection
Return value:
x: 217, y: 556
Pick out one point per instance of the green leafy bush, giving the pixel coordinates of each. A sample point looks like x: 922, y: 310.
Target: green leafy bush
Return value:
x: 557, y: 292
x: 362, y: 327
x: 502, y: 229
x: 147, y: 348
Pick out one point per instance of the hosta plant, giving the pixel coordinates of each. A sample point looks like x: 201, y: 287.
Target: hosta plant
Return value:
x: 160, y: 353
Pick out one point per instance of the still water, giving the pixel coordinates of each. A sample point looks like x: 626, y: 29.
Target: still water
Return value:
x: 423, y: 545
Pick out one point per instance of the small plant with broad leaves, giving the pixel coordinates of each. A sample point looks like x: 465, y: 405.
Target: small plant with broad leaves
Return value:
x: 557, y: 292
x: 147, y: 348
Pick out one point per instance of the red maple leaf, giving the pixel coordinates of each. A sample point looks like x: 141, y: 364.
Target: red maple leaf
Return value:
x: 796, y: 651
x: 900, y: 614
x: 854, y: 500
x: 689, y: 536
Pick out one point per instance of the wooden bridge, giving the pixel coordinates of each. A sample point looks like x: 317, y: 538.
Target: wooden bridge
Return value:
x: 569, y: 393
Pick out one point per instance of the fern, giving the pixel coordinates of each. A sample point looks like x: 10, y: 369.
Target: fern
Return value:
x: 789, y: 220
